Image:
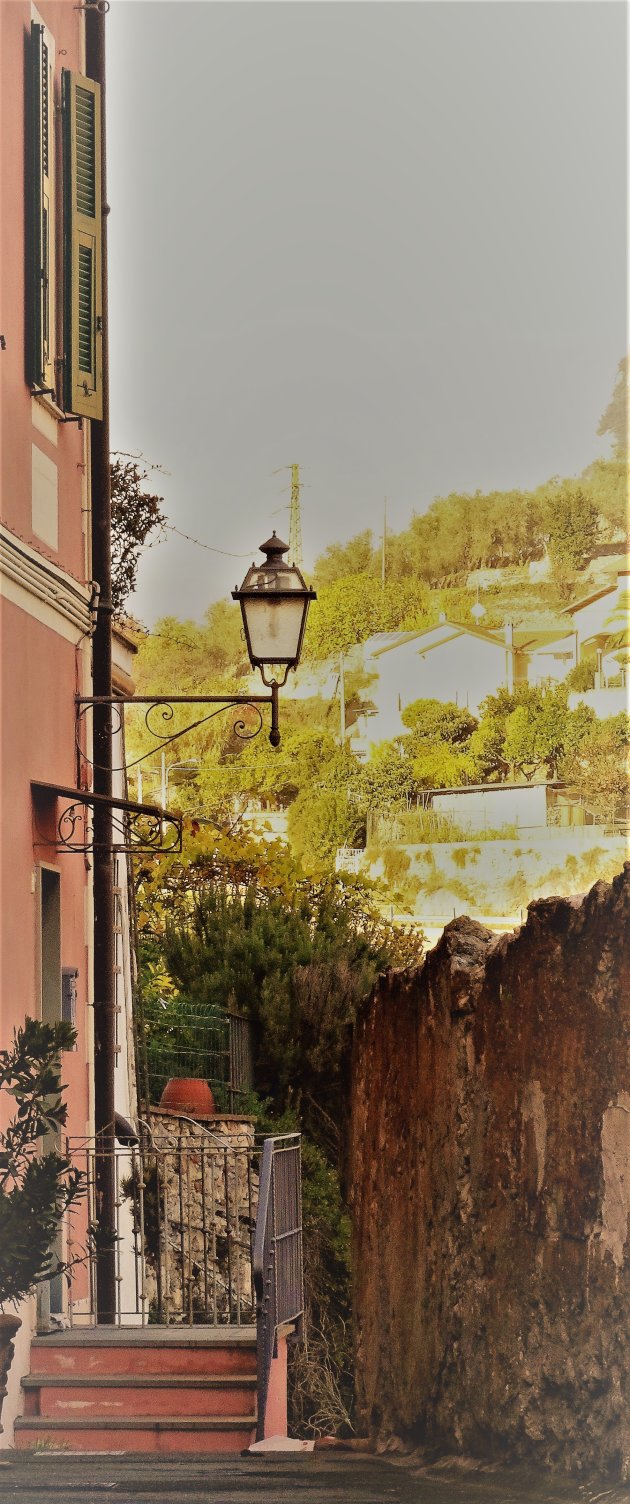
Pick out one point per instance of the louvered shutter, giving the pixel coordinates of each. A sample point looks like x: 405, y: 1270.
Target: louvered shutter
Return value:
x: 40, y: 357
x: 83, y: 378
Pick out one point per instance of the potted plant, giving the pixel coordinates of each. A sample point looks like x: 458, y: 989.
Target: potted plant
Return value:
x: 36, y: 1188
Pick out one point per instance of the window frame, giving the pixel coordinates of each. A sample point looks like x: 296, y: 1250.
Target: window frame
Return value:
x: 41, y: 191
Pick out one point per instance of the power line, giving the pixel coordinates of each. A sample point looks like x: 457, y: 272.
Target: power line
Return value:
x: 169, y: 527
x: 225, y: 552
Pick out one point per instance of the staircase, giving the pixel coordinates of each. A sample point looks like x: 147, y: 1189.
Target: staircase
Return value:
x: 141, y: 1389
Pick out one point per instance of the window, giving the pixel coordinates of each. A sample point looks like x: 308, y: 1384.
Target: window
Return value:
x: 41, y: 217
x: 50, y: 944
x: 82, y: 272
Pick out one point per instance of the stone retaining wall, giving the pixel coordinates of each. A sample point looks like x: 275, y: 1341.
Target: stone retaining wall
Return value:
x: 490, y: 1167
x: 201, y: 1199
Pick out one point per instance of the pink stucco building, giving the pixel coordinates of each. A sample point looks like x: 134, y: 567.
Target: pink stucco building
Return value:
x: 50, y: 393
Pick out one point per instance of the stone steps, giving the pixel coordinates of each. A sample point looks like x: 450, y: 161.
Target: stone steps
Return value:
x: 137, y: 1434
x: 142, y: 1390
x: 138, y: 1395
x: 151, y: 1350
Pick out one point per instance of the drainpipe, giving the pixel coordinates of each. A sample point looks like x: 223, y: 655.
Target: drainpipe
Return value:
x: 103, y: 879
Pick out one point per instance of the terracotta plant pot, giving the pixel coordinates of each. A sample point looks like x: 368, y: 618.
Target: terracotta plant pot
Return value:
x: 9, y: 1325
x: 188, y: 1095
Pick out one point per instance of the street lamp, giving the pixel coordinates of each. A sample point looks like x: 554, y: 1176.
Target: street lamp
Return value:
x: 274, y: 600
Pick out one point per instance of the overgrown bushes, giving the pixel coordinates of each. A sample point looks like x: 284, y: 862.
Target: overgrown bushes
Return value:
x: 297, y: 957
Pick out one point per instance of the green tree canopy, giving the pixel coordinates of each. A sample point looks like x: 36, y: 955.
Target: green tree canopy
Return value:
x: 439, y: 720
x: 385, y: 779
x: 321, y: 821
x: 572, y: 524
x: 340, y: 560
x: 607, y: 484
x: 437, y: 743
x: 614, y: 420
x: 598, y: 766
x: 355, y: 607
x: 297, y: 965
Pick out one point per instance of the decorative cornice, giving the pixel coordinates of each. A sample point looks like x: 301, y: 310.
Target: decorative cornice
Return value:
x: 40, y: 578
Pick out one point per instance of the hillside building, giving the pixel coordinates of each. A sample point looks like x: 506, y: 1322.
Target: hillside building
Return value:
x: 452, y: 662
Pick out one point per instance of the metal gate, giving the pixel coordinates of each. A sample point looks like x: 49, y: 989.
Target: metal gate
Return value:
x: 278, y: 1268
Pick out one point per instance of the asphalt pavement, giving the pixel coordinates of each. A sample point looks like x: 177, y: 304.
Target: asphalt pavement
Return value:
x: 46, y: 1478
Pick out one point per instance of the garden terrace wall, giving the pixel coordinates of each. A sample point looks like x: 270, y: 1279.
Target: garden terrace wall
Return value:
x: 490, y: 1172
x: 200, y: 1203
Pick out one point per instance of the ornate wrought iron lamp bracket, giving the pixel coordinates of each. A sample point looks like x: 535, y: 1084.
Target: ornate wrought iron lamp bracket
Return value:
x: 160, y: 713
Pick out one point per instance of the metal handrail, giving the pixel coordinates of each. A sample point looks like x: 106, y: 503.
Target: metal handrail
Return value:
x: 277, y: 1259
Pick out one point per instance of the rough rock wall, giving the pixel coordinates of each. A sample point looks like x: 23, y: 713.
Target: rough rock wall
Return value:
x: 201, y: 1186
x: 490, y: 1166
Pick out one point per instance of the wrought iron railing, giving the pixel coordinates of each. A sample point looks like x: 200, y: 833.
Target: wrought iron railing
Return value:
x: 278, y: 1271
x: 241, y: 1077
x: 208, y: 1231
x: 181, y: 1039
x: 186, y: 1207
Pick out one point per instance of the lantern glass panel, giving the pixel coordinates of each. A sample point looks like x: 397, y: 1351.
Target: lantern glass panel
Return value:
x: 274, y: 626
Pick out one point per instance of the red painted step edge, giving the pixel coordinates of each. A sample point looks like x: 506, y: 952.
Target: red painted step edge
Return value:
x: 145, y: 1439
x: 76, y: 1402
x: 127, y: 1359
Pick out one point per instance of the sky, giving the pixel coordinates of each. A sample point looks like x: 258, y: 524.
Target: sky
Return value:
x: 386, y: 241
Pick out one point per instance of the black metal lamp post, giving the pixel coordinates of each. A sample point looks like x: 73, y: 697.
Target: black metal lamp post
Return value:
x: 274, y: 600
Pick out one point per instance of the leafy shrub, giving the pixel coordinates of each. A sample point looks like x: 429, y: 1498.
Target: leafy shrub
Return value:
x: 582, y: 676
x: 35, y: 1189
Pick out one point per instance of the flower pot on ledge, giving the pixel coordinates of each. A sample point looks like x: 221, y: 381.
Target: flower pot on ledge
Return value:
x: 188, y: 1095
x: 9, y: 1325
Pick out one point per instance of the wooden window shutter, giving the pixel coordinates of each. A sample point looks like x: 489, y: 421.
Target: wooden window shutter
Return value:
x: 83, y: 374
x: 40, y: 290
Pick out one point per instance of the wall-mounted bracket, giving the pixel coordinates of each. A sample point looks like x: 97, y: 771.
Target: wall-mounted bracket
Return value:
x: 137, y: 829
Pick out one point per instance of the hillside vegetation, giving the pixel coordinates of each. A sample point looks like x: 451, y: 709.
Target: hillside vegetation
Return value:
x: 325, y: 790
x: 563, y: 523
x: 463, y: 531
x: 429, y: 563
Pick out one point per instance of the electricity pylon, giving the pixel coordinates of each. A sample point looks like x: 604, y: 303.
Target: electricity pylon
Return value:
x: 295, y: 522
x: 295, y: 515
